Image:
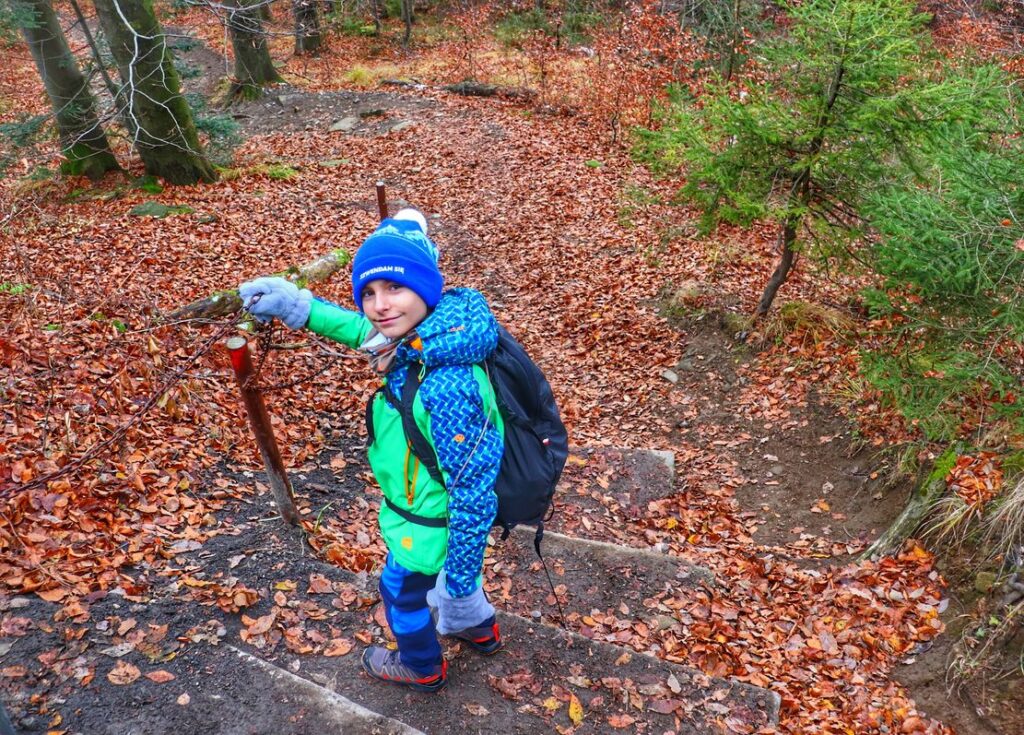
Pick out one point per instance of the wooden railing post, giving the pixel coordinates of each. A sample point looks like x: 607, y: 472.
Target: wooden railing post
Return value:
x: 382, y: 201
x: 259, y: 420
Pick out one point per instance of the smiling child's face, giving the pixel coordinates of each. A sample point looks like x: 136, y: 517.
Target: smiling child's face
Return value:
x: 394, y: 309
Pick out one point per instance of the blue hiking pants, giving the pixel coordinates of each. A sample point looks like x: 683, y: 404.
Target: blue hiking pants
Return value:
x: 404, y: 594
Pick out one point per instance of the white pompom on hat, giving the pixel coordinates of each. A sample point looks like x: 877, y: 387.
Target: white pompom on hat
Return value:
x: 412, y: 215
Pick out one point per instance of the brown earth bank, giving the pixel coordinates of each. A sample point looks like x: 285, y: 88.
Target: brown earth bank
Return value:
x: 818, y: 489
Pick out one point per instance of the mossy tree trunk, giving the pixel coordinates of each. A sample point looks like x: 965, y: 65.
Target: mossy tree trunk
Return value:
x: 307, y: 26
x: 165, y: 133
x: 253, y: 65
x: 82, y: 139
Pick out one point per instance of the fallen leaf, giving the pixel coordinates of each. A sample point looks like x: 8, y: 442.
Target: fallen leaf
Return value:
x: 160, y: 676
x: 620, y: 721
x: 663, y: 706
x: 119, y: 650
x: 53, y: 595
x: 575, y: 710
x: 262, y: 624
x: 338, y: 647
x: 319, y: 585
x: 123, y: 673
x: 551, y: 704
x: 365, y: 636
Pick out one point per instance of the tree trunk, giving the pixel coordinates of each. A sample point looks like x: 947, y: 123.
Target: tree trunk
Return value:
x: 307, y: 26
x: 734, y: 41
x: 928, y: 489
x: 97, y: 57
x: 799, y: 193
x: 165, y: 133
x: 375, y: 8
x: 407, y: 17
x: 800, y: 197
x: 787, y: 237
x: 82, y: 140
x: 253, y: 65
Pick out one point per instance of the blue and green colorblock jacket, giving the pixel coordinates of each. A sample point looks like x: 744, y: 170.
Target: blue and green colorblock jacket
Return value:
x: 456, y: 410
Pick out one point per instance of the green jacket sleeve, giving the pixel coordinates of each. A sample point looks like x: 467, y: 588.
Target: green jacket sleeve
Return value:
x: 342, y: 325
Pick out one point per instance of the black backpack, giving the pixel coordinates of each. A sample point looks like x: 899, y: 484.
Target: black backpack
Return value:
x: 536, y: 441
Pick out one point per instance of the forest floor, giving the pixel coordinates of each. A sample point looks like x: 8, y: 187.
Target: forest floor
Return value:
x: 580, y: 253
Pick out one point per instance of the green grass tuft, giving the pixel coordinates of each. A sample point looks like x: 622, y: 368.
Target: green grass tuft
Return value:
x: 278, y: 171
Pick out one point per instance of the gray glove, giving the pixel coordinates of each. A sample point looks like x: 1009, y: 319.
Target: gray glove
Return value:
x: 455, y: 614
x: 277, y: 298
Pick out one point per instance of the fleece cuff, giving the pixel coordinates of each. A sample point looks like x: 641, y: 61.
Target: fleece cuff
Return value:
x: 455, y: 614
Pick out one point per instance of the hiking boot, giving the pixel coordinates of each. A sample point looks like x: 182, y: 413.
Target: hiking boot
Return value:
x: 483, y: 639
x: 384, y: 664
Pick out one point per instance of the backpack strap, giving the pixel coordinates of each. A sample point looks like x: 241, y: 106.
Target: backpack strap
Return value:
x: 418, y: 443
x: 370, y: 433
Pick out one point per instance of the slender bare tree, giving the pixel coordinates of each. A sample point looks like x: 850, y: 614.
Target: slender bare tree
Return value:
x: 308, y: 38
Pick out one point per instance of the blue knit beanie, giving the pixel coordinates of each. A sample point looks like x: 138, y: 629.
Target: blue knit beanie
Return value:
x: 400, y: 251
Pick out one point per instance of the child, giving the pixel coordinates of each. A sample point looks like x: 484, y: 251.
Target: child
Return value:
x: 435, y: 534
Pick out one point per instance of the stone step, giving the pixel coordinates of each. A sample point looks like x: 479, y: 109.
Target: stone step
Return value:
x: 604, y: 489
x: 321, y: 709
x: 528, y: 687
x: 588, y: 576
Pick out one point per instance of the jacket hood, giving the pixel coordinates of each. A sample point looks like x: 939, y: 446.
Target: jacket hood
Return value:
x: 460, y: 331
